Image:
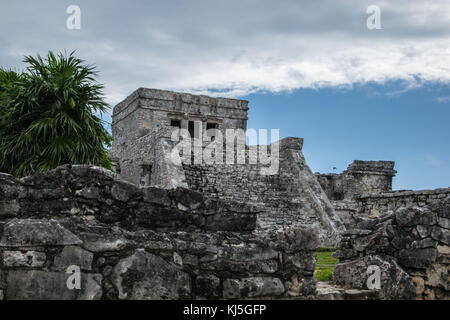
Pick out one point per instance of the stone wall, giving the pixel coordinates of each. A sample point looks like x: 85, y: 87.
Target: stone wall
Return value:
x: 84, y: 190
x: 373, y: 205
x: 146, y: 161
x: 347, y: 212
x: 140, y: 243
x: 290, y: 197
x: 410, y: 246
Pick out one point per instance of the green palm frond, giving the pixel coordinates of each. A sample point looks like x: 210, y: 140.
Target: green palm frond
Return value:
x: 47, y: 115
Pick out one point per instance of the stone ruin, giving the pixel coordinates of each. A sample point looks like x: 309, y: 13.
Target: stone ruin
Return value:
x: 154, y: 229
x: 411, y: 248
x: 142, y: 127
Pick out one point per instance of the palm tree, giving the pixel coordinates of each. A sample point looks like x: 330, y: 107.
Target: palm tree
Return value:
x: 49, y: 115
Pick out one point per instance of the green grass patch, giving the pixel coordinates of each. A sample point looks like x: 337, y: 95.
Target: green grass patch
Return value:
x: 325, y: 265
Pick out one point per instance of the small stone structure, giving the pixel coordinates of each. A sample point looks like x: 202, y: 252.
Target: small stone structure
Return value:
x: 364, y: 190
x: 141, y: 243
x: 360, y: 178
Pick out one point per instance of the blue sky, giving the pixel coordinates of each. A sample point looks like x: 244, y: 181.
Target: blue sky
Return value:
x: 312, y: 69
x: 367, y: 122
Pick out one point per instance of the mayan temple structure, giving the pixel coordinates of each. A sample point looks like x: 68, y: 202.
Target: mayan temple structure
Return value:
x: 142, y: 126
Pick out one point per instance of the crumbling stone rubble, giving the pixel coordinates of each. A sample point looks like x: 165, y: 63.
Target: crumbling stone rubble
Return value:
x: 411, y: 246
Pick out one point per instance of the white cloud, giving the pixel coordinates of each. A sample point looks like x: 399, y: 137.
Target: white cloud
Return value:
x: 234, y: 48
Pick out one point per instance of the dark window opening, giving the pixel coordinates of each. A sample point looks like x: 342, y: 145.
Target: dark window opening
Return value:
x: 209, y: 126
x: 338, y: 196
x: 191, y: 128
x: 175, y: 123
x: 146, y: 175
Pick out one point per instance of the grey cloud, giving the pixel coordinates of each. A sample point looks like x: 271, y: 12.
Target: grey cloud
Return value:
x: 235, y: 47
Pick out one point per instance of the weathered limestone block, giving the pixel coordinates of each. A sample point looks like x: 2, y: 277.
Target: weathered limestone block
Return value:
x: 207, y: 286
x: 144, y: 276
x: 9, y: 209
x: 424, y: 230
x: 106, y: 245
x: 33, y: 232
x: 417, y: 258
x: 441, y: 234
x: 30, y: 259
x: 296, y: 239
x: 248, y: 254
x: 230, y: 221
x: 156, y: 196
x: 395, y: 282
x: 122, y: 191
x: 230, y: 268
x: 76, y: 256
x: 90, y: 193
x: 9, y: 188
x: 375, y: 240
x: 423, y: 243
x: 40, y: 285
x: 420, y: 285
x: 444, y: 250
x: 407, y: 217
x: 444, y: 223
x: 177, y: 259
x: 298, y: 286
x: 303, y: 262
x: 345, y: 254
x: 242, y: 261
x: 354, y: 294
x: 439, y: 276
x: 187, y: 198
x: 167, y: 218
x: 445, y: 213
x: 101, y: 238
x: 252, y: 287
x: 327, y: 291
x: 402, y: 240
x: 190, y: 260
